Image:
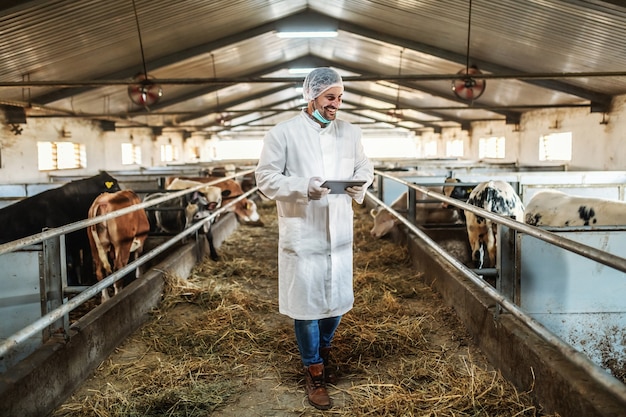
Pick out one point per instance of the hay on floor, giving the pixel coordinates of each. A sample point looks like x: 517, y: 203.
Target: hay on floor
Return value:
x: 217, y: 345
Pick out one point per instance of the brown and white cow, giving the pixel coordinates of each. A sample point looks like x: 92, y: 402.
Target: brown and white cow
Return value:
x: 112, y: 241
x: 425, y: 213
x: 498, y: 197
x: 556, y: 208
x: 245, y: 210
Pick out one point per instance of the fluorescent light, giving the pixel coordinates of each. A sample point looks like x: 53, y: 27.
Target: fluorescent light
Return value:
x: 299, y: 71
x: 321, y: 34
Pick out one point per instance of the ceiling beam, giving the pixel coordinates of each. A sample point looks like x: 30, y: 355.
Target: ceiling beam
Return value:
x: 129, y: 73
x: 548, y: 82
x: 214, y: 84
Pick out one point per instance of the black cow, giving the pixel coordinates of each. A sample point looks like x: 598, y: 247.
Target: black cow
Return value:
x: 58, y: 207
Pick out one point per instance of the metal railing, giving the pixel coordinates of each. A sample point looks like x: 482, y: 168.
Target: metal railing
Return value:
x: 42, y: 323
x: 603, y: 378
x: 590, y: 252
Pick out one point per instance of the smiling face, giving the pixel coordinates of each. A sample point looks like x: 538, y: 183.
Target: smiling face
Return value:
x: 327, y: 103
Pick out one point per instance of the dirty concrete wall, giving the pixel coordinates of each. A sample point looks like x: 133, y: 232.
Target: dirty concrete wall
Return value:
x: 526, y: 360
x: 597, y: 142
x: 44, y: 380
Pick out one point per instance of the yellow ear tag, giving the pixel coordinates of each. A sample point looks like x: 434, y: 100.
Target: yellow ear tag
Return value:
x: 109, y: 184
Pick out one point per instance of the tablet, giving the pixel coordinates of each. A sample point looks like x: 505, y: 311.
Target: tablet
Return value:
x: 339, y: 186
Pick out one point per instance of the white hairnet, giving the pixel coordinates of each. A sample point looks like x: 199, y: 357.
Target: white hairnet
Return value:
x: 320, y: 80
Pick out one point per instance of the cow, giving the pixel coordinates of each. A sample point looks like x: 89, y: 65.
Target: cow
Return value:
x: 112, y: 241
x: 223, y: 171
x: 245, y: 209
x: 174, y: 215
x: 213, y: 195
x: 498, y: 197
x: 197, y: 209
x: 58, y: 207
x: 247, y: 182
x: 458, y: 192
x: 556, y: 208
x: 179, y: 213
x: 425, y: 213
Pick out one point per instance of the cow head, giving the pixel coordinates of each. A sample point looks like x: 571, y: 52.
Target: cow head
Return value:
x: 246, y: 212
x: 212, y: 197
x: 477, y: 233
x: 384, y: 222
x: 198, y: 208
x: 458, y: 192
x: 192, y: 213
x: 107, y: 182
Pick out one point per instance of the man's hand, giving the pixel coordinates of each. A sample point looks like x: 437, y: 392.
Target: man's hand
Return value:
x: 316, y: 192
x: 355, y: 191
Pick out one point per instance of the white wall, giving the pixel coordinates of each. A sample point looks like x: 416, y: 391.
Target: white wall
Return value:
x: 598, y: 139
x: 596, y: 145
x: 19, y: 152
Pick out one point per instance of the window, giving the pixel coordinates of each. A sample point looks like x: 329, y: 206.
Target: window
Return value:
x: 492, y: 147
x: 389, y: 147
x: 61, y: 155
x: 430, y: 148
x: 556, y: 147
x: 238, y: 148
x: 454, y: 147
x: 169, y: 153
x: 131, y: 154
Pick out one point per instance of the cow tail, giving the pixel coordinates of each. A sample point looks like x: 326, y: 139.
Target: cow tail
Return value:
x: 93, y: 230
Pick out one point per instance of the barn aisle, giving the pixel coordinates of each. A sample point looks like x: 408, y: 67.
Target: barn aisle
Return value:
x: 217, y: 346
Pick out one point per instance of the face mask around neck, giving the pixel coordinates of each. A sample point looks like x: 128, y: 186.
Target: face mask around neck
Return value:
x: 320, y: 118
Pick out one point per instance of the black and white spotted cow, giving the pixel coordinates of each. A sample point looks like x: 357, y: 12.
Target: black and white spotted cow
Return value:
x: 556, y: 208
x: 498, y: 197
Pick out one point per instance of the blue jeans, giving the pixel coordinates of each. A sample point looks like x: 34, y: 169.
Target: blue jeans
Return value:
x: 312, y: 335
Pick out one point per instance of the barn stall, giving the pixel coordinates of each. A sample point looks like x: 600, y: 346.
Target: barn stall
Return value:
x: 38, y: 304
x: 401, y: 351
x: 466, y: 306
x: 397, y: 83
x: 547, y: 290
x: 570, y: 294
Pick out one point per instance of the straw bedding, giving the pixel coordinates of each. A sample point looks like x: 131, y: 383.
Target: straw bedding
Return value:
x: 217, y: 345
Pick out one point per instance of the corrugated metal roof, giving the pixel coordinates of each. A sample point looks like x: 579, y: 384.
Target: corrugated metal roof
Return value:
x: 77, y: 58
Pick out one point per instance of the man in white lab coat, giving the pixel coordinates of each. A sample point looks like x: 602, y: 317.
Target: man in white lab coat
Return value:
x: 315, y: 226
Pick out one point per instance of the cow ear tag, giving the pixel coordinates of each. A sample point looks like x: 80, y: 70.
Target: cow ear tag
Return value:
x: 108, y: 184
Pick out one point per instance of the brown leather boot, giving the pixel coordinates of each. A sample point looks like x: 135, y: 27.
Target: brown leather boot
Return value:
x: 316, y: 387
x: 330, y: 371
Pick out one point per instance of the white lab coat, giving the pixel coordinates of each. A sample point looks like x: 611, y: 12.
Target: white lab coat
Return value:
x: 315, y: 237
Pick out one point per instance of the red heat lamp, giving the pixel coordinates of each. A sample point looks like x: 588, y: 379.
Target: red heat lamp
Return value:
x: 468, y: 88
x: 396, y: 115
x: 145, y: 93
